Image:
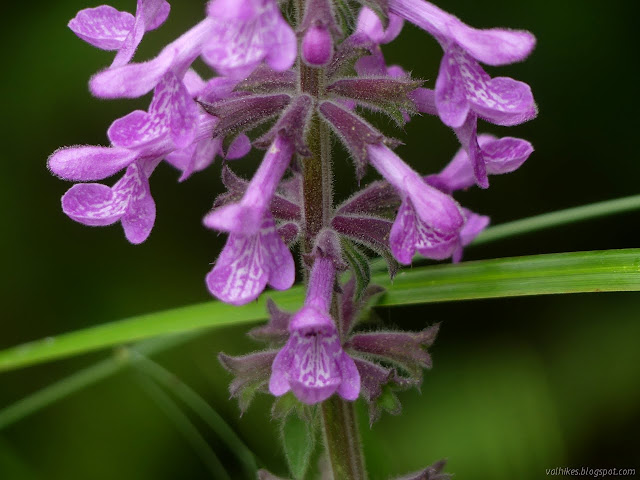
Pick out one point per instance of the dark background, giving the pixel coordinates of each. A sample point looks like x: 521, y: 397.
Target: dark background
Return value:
x: 519, y: 385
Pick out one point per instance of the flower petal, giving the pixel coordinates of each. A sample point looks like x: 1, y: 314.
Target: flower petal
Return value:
x: 103, y: 27
x: 136, y: 129
x: 155, y: 12
x: 278, y: 259
x: 94, y: 204
x: 240, y: 146
x: 136, y: 79
x: 173, y: 106
x: 496, y: 46
x: 505, y: 155
x: 370, y: 24
x: 504, y: 101
x: 349, y: 388
x: 450, y: 93
x: 278, y: 383
x: 141, y: 212
x: 86, y: 163
x: 467, y: 134
x: 409, y: 234
x: 238, y: 276
x: 245, y: 33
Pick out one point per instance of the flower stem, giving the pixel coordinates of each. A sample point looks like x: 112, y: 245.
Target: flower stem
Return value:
x: 341, y: 435
x: 342, y: 439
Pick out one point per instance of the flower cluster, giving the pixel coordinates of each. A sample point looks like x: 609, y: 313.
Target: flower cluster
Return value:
x: 286, y: 82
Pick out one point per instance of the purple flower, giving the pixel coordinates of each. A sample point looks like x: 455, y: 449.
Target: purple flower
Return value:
x: 172, y: 122
x: 245, y: 217
x: 462, y: 85
x: 313, y: 364
x: 249, y: 262
x: 136, y: 79
x: 128, y: 201
x: 501, y: 155
x: 246, y: 32
x: 109, y: 29
x: 482, y: 159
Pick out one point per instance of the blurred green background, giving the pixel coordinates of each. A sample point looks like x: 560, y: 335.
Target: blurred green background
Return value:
x: 519, y: 385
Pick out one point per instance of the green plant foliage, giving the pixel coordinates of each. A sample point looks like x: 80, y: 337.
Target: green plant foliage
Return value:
x: 577, y: 272
x: 298, y: 439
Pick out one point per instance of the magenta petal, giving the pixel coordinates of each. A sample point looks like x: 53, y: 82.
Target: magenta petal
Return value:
x: 409, y: 234
x: 403, y: 236
x: 506, y: 154
x: 314, y: 374
x: 103, y: 27
x: 156, y: 12
x: 278, y: 260
x: 88, y: 163
x: 474, y: 225
x: 235, y: 217
x: 238, y: 276
x: 284, y: 48
x: 494, y: 46
x: 94, y: 204
x: 240, y: 146
x: 369, y: 23
x: 248, y: 262
x: 245, y: 33
x: 136, y: 79
x: 278, y: 383
x: 435, y: 208
x: 136, y: 129
x: 349, y: 388
x: 132, y: 80
x: 467, y: 135
x: 141, y: 213
x: 504, y: 101
x: 450, y: 93
x: 173, y: 104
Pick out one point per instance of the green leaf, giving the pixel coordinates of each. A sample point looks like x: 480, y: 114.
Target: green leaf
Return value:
x: 561, y: 217
x: 298, y: 440
x: 359, y: 264
x: 578, y: 272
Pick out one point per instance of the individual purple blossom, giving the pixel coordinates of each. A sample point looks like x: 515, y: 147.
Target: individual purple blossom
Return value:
x: 109, y: 29
x: 483, y: 159
x: 501, y: 155
x: 172, y: 122
x: 248, y: 263
x: 425, y: 213
x: 246, y: 32
x: 464, y: 91
x: 128, y: 201
x: 313, y: 364
x: 245, y: 217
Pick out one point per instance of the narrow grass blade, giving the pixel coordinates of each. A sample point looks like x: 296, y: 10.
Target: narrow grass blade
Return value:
x: 194, y: 401
x: 186, y: 428
x: 578, y: 272
x: 84, y: 378
x: 561, y: 217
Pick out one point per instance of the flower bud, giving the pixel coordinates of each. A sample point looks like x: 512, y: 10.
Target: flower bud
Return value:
x: 317, y: 46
